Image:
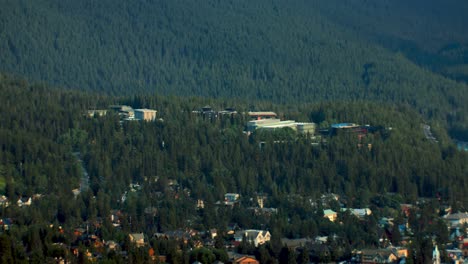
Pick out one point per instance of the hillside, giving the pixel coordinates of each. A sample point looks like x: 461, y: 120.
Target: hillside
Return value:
x: 268, y: 50
x: 148, y: 177
x: 432, y: 33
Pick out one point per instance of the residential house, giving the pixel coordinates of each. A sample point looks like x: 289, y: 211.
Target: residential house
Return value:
x: 180, y: 235
x: 111, y: 245
x: 138, y: 239
x: 455, y: 254
x: 79, y: 232
x: 330, y: 214
x: 4, y: 201
x: 257, y: 237
x: 24, y: 201
x: 213, y: 233
x: 115, y: 216
x: 230, y: 199
x: 246, y: 260
x: 400, y: 252
x: 359, y: 213
x: 200, y: 204
x: 457, y: 219
x: 232, y: 228
x: 406, y: 209
x: 6, y: 223
x: 295, y: 243
x: 378, y: 256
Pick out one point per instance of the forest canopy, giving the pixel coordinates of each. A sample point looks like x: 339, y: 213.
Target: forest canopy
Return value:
x: 285, y: 52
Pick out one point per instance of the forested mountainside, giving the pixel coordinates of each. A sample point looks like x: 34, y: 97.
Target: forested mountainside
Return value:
x: 433, y: 34
x: 153, y: 174
x: 429, y: 24
x: 294, y: 51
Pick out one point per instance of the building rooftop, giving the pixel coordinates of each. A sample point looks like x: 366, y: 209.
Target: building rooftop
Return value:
x: 344, y: 125
x: 145, y: 110
x: 262, y: 113
x: 328, y: 212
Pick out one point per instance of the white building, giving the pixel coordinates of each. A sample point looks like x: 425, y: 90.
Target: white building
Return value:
x: 273, y: 123
x: 257, y: 237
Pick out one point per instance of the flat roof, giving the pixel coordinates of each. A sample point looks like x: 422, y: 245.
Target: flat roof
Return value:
x: 262, y: 113
x: 344, y: 125
x: 304, y: 123
x: 280, y: 124
x: 268, y: 121
x: 145, y: 110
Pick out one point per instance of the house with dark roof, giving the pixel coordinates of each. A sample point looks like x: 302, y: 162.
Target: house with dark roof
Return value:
x: 257, y: 237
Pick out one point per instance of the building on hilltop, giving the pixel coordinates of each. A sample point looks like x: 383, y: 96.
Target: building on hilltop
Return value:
x: 262, y: 115
x: 348, y: 128
x: 145, y: 114
x: 306, y: 128
x: 97, y: 112
x: 274, y: 123
x: 359, y: 213
x: 124, y: 111
x: 228, y: 111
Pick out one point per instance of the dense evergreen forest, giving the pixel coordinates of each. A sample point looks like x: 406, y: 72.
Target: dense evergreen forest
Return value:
x: 185, y: 157
x: 286, y: 52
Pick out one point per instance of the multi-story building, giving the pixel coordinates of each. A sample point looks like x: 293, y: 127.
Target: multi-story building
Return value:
x: 273, y: 123
x: 145, y: 114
